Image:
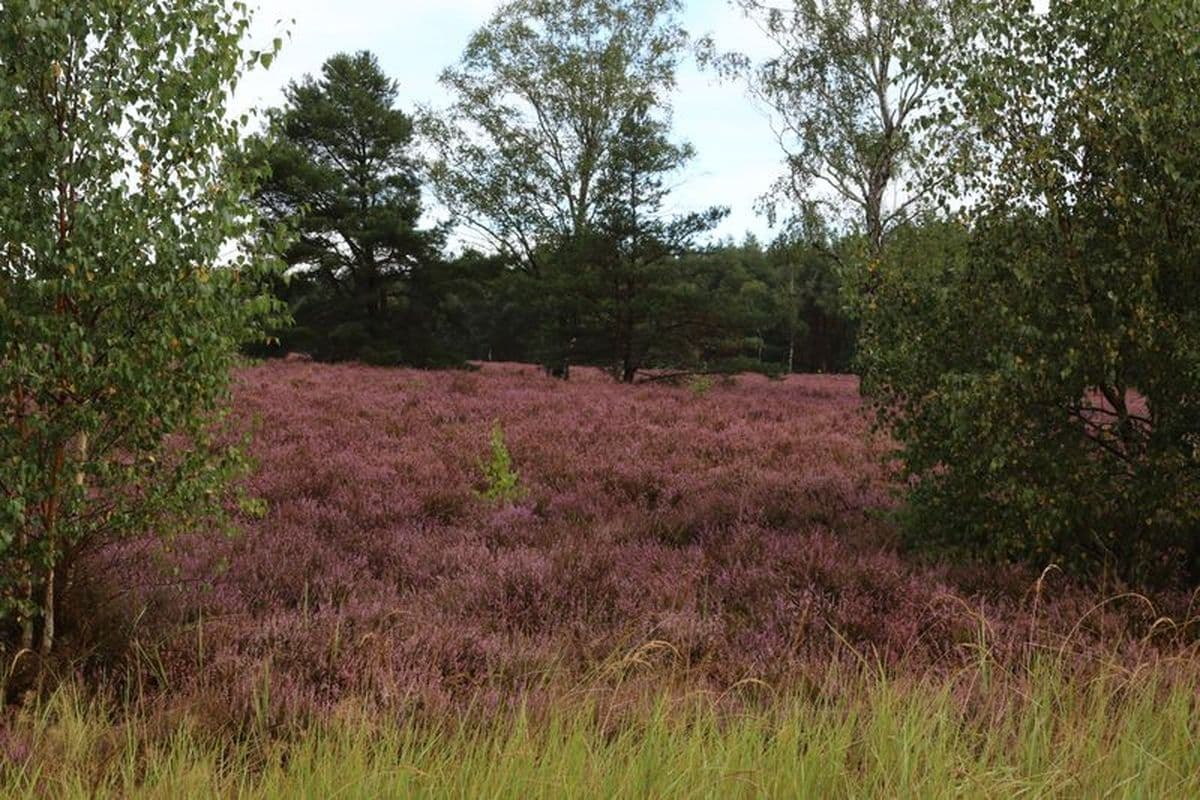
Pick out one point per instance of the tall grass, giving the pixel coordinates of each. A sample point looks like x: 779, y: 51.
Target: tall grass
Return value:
x: 1040, y: 734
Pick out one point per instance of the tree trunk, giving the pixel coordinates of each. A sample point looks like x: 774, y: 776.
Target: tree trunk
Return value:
x: 48, y: 613
x: 791, y: 316
x: 27, y: 613
x: 59, y: 568
x: 875, y: 218
x: 25, y: 574
x: 628, y: 369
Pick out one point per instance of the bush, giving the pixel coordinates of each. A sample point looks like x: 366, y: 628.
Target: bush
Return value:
x: 503, y: 483
x: 1040, y: 367
x: 700, y: 385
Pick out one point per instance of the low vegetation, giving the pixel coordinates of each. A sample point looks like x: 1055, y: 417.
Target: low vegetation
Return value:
x: 747, y: 529
x: 974, y: 734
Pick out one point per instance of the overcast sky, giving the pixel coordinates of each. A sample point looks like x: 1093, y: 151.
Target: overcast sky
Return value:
x: 736, y: 154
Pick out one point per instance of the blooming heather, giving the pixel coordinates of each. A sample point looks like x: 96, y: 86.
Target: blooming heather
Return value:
x: 745, y: 528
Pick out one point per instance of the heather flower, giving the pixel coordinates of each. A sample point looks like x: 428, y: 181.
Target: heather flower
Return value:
x: 746, y: 529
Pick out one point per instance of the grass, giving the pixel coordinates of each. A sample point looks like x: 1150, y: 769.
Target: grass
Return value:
x: 1039, y: 734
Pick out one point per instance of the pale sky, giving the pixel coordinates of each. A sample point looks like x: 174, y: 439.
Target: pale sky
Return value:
x: 737, y: 156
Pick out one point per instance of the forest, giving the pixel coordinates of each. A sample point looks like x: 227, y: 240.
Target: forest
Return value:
x: 578, y: 263
x: 350, y: 447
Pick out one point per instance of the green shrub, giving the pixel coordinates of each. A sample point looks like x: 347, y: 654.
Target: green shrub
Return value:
x: 700, y: 385
x: 502, y: 482
x: 1040, y: 366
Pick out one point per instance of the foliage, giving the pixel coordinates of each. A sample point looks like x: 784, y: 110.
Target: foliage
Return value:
x: 503, y: 483
x: 700, y: 385
x: 1041, y: 366
x: 634, y: 298
x: 847, y: 97
x: 540, y: 95
x: 811, y: 320
x: 557, y: 154
x: 500, y: 319
x: 719, y: 308
x: 121, y: 306
x: 546, y: 98
x: 343, y: 177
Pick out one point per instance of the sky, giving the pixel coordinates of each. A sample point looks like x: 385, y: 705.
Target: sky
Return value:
x: 737, y: 156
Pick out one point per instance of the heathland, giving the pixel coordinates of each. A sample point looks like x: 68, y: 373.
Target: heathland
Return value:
x: 688, y: 589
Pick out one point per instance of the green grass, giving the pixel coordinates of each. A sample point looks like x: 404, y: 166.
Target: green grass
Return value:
x: 1043, y: 735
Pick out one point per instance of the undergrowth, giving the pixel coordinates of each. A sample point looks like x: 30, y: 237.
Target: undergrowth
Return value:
x: 978, y: 733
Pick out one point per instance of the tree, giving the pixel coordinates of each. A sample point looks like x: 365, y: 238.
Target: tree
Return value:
x: 496, y: 315
x: 812, y: 322
x: 846, y: 96
x: 122, y: 302
x: 1040, y: 365
x: 636, y: 299
x: 343, y: 176
x: 540, y: 96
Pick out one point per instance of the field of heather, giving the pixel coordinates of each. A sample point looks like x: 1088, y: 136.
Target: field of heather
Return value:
x: 692, y: 591
x: 704, y: 536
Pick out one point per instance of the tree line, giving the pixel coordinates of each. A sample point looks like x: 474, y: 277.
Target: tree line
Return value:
x: 556, y: 161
